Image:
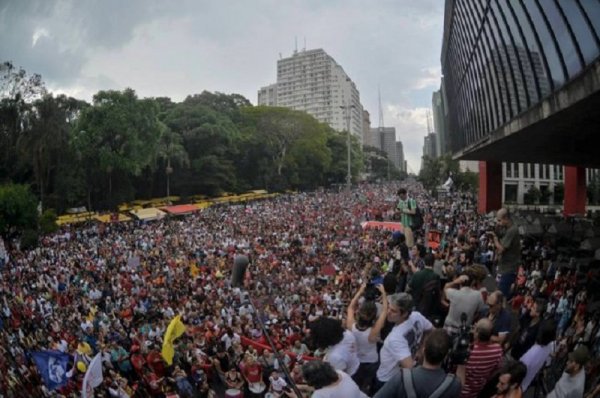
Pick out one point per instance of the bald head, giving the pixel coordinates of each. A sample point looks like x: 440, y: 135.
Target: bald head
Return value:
x: 503, y: 216
x: 483, y: 329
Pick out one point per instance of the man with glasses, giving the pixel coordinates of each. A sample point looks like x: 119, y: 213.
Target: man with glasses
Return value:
x: 499, y: 316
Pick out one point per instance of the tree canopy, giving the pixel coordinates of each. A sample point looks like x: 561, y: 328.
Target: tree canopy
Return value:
x: 119, y: 147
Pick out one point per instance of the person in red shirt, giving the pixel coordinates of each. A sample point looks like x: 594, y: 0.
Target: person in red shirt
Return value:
x: 252, y: 373
x: 483, y: 361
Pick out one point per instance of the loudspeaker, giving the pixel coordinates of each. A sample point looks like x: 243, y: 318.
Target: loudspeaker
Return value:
x: 240, y: 263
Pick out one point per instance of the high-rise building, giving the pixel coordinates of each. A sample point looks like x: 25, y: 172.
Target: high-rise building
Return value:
x: 429, y: 147
x: 519, y: 76
x: 268, y: 95
x: 439, y: 127
x: 387, y: 142
x: 313, y: 82
x: 366, y: 131
x: 399, y: 156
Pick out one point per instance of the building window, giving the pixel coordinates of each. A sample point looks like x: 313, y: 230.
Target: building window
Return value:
x: 508, y: 170
x: 516, y: 173
x: 510, y: 193
x: 525, y: 170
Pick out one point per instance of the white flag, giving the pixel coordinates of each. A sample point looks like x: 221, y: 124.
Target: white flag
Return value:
x: 93, y: 377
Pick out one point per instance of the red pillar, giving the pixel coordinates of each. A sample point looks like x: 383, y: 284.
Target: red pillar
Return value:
x: 490, y: 186
x: 575, y: 190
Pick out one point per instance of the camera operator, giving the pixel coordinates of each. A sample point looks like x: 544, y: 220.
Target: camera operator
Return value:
x: 484, y: 359
x: 508, y: 248
x: 464, y: 296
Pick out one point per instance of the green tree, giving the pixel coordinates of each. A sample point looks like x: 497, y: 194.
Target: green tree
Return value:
x: 171, y: 151
x: 532, y: 196
x: 18, y: 209
x: 17, y: 90
x: 210, y: 139
x: 117, y: 136
x: 559, y: 193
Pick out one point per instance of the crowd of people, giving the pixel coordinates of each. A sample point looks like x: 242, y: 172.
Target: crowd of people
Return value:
x: 457, y: 305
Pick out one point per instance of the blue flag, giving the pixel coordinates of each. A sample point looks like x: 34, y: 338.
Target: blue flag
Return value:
x: 52, y: 366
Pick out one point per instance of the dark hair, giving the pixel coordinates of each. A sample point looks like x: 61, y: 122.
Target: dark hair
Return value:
x: 541, y: 306
x: 366, y: 314
x: 437, y: 345
x: 326, y: 332
x: 402, y: 191
x: 319, y: 374
x: 516, y: 369
x: 547, y: 332
x: 429, y: 259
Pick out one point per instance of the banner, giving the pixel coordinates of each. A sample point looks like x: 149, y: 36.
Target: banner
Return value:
x: 93, y: 377
x: 52, y: 366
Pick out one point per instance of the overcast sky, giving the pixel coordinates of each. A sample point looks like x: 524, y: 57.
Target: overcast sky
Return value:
x: 174, y: 48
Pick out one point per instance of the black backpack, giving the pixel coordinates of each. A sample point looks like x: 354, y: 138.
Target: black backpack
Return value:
x: 431, y: 295
x: 417, y: 218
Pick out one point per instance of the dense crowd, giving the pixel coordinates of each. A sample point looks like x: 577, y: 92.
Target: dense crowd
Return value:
x: 461, y: 303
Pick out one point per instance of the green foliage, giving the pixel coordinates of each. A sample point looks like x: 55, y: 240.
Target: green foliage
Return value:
x: 29, y: 239
x: 121, y: 147
x: 47, y: 222
x: 18, y: 209
x: 379, y: 167
x: 559, y: 193
x: 532, y: 196
x: 435, y: 171
x: 593, y: 190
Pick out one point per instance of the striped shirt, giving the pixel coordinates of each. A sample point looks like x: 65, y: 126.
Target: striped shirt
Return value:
x: 482, y: 363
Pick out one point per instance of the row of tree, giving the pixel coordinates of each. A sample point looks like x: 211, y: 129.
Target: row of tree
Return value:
x: 435, y: 171
x: 120, y: 147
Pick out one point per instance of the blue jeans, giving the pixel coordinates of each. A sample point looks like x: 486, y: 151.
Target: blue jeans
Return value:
x: 506, y: 281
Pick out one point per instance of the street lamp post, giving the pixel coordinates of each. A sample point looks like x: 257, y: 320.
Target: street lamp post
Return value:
x: 347, y: 108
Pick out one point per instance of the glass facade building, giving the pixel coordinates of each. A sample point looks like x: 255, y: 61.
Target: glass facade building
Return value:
x: 501, y: 57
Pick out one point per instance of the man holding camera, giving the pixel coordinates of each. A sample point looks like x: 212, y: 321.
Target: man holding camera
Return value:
x: 508, y: 248
x: 484, y: 359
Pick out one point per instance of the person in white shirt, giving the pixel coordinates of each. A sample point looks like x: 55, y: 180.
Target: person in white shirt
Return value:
x: 366, y: 328
x: 278, y: 383
x: 572, y: 382
x: 328, y: 382
x: 539, y: 353
x: 403, y: 342
x: 340, y: 345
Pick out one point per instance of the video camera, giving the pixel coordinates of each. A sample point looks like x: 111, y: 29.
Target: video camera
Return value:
x: 461, y: 343
x: 371, y: 292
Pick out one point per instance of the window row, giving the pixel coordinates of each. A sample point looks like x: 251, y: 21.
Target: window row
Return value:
x: 502, y: 57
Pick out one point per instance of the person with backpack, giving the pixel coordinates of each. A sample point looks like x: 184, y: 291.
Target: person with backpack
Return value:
x: 409, y: 216
x: 426, y: 381
x: 425, y: 287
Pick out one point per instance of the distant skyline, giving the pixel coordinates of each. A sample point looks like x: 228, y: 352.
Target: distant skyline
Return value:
x: 178, y: 48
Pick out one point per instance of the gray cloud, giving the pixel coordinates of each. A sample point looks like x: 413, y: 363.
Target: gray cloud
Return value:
x: 169, y: 48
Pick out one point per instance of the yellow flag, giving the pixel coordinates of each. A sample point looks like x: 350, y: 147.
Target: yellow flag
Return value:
x: 194, y: 269
x: 175, y: 329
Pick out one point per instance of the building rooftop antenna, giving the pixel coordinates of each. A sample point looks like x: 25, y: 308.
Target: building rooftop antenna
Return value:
x: 296, y: 45
x: 380, y: 109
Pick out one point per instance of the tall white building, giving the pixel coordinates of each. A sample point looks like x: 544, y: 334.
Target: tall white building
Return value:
x: 311, y: 81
